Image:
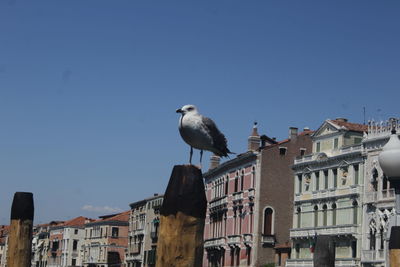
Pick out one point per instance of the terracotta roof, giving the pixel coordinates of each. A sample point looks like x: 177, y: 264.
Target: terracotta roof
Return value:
x: 308, y: 132
x: 123, y: 217
x: 356, y: 127
x: 78, y: 221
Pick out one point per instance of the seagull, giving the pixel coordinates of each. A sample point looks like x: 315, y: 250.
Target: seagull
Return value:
x: 201, y: 133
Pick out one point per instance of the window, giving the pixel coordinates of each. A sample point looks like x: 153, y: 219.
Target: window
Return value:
x: 317, y: 181
x: 326, y: 179
x: 226, y: 185
x: 282, y: 151
x: 357, y: 140
x: 335, y: 143
x: 114, y: 232
x: 298, y: 217
x: 325, y: 215
x: 315, y: 215
x: 302, y: 151
x: 76, y: 231
x: 299, y: 178
x: 75, y: 245
x: 268, y: 216
x: 242, y: 181
x: 356, y: 174
x: 318, y: 148
x: 333, y: 214
x: 73, y: 262
x: 335, y: 178
x: 355, y: 212
x: 236, y: 183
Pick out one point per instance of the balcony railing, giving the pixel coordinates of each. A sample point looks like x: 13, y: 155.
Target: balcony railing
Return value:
x: 247, y: 238
x: 325, y: 230
x: 268, y: 239
x: 384, y: 195
x: 373, y: 255
x: 299, y: 263
x: 327, y: 193
x: 218, y: 203
x: 238, y: 196
x: 342, y: 150
x: 234, y: 239
x: 137, y: 232
x: 215, y: 242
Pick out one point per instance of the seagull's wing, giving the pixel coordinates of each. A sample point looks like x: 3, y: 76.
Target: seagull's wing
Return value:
x: 219, y: 140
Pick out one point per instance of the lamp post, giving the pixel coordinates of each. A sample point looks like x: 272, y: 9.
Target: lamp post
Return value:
x: 389, y: 160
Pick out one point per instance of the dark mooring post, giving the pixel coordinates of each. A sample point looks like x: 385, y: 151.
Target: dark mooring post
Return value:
x: 182, y: 219
x: 394, y: 246
x: 20, y: 239
x: 324, y: 253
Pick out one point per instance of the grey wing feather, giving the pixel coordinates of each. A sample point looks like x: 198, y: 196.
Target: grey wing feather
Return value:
x: 219, y: 140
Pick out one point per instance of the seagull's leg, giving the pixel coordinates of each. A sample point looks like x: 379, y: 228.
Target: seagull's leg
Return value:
x: 201, y: 155
x: 191, y: 154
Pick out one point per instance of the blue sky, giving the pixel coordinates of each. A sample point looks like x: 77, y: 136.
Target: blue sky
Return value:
x: 89, y: 88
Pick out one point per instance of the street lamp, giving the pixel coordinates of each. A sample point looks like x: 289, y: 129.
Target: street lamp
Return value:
x: 389, y: 160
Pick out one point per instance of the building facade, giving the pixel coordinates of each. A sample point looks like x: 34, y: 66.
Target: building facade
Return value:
x: 328, y: 194
x: 105, y: 241
x: 249, y: 211
x: 379, y: 197
x: 4, y: 230
x: 143, y: 232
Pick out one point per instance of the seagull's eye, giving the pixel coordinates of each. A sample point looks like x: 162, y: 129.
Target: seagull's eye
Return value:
x: 190, y: 108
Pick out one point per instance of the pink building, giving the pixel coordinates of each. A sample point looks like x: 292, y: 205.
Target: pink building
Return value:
x: 249, y: 206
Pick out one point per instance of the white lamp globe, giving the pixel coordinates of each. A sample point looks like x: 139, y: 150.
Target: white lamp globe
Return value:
x: 389, y: 158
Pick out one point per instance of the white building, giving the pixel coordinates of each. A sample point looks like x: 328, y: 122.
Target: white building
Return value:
x: 328, y: 194
x: 379, y: 198
x: 144, y: 222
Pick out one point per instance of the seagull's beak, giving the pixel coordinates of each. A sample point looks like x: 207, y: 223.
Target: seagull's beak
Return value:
x: 179, y: 110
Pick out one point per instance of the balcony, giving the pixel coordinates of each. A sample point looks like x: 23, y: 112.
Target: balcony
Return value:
x: 383, y: 196
x: 372, y: 256
x: 299, y: 263
x: 238, y: 196
x: 324, y: 230
x: 317, y: 156
x: 234, y: 239
x: 327, y: 193
x: 268, y: 239
x: 247, y: 239
x: 218, y: 203
x: 136, y: 232
x: 215, y: 242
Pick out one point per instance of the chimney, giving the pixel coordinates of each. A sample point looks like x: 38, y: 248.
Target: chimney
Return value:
x: 155, y: 194
x: 306, y: 129
x: 293, y: 133
x: 341, y: 119
x: 253, y: 142
x: 214, y: 161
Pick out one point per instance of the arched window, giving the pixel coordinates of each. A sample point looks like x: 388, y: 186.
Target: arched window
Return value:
x: 325, y: 215
x: 315, y: 215
x: 385, y: 183
x: 374, y: 180
x: 268, y: 220
x: 355, y: 212
x: 298, y: 217
x: 242, y: 181
x: 372, y: 235
x: 333, y: 214
x: 236, y: 182
x: 227, y: 185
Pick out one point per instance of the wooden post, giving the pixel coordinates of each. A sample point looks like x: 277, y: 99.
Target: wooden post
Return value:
x: 324, y: 253
x: 182, y: 219
x: 20, y: 239
x: 394, y: 246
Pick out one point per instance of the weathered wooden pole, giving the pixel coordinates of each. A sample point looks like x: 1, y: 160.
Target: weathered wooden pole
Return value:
x: 324, y: 253
x: 20, y: 239
x: 394, y: 246
x: 182, y: 219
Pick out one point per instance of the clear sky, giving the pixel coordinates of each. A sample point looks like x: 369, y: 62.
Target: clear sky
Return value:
x: 89, y: 88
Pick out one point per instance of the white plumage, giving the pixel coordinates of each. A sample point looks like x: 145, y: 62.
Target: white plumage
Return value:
x: 201, y: 133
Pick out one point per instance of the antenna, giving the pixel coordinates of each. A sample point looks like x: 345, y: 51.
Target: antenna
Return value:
x: 364, y: 114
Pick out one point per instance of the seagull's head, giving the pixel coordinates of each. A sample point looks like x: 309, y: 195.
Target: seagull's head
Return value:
x: 187, y: 109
